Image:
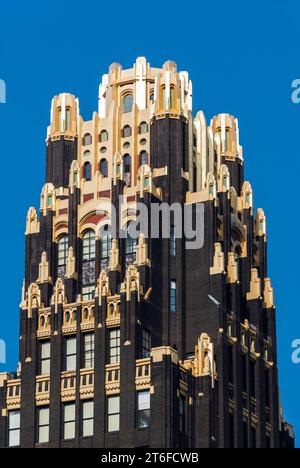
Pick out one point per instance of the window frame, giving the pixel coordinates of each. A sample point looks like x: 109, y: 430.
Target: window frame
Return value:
x: 103, y: 172
x: 126, y: 131
x: 114, y: 358
x: 16, y: 429
x: 182, y: 414
x: 41, y: 426
x: 71, y: 421
x: 89, y: 243
x: 43, y: 359
x: 127, y: 107
x: 62, y: 250
x: 87, y: 139
x: 173, y: 243
x: 88, y: 349
x: 130, y: 245
x: 105, y: 243
x: 85, y: 419
x: 173, y: 296
x: 69, y: 356
x: 143, y: 128
x: 103, y: 132
x: 143, y: 412
x: 111, y: 415
x: 144, y: 158
x: 88, y: 292
x: 146, y: 343
x: 68, y: 119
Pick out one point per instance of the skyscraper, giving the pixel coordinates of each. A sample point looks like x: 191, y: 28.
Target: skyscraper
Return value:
x: 166, y: 339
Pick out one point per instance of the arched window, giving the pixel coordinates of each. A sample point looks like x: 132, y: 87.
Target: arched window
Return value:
x: 146, y: 182
x: 127, y: 103
x: 75, y: 177
x: 195, y: 176
x: 152, y: 97
x: 49, y: 200
x: 172, y: 97
x: 88, y: 246
x: 103, y: 136
x: 68, y: 119
x: 103, y: 168
x: 127, y: 168
x: 143, y: 128
x: 85, y: 314
x: 164, y: 97
x: 62, y: 247
x: 58, y: 121
x: 126, y: 133
x: 87, y: 171
x: 127, y: 161
x: 87, y: 139
x: 86, y: 154
x: 88, y: 265
x: 143, y: 158
x: 227, y: 142
x: 105, y: 247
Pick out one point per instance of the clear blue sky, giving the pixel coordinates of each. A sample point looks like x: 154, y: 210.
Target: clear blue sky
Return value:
x: 242, y: 57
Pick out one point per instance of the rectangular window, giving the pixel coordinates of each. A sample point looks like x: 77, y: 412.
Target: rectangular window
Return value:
x: 245, y: 434
x: 113, y: 414
x: 43, y: 425
x: 70, y: 354
x: 89, y: 350
x: 173, y: 241
x: 146, y: 344
x: 182, y: 414
x: 244, y: 374
x: 230, y: 364
x: 45, y: 358
x: 87, y: 418
x: 173, y: 302
x: 114, y: 346
x: 14, y: 425
x: 253, y: 437
x: 267, y: 388
x: 143, y: 409
x: 88, y: 293
x: 195, y: 181
x: 252, y: 379
x: 231, y: 431
x: 69, y: 421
